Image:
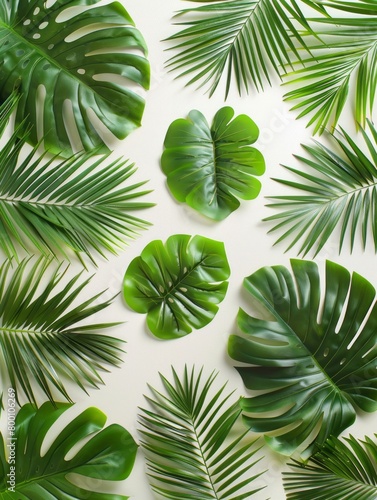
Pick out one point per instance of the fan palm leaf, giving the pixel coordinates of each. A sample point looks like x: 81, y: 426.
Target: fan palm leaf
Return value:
x: 337, y: 190
x: 246, y: 39
x: 190, y: 445
x: 54, y: 207
x: 349, y: 52
x: 336, y: 472
x: 42, y: 340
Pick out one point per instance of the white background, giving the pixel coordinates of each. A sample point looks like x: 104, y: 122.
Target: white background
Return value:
x: 247, y: 244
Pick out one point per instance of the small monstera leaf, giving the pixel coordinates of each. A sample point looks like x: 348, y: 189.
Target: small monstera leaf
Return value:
x: 73, y: 66
x: 108, y: 455
x: 209, y: 168
x: 316, y: 359
x: 178, y: 285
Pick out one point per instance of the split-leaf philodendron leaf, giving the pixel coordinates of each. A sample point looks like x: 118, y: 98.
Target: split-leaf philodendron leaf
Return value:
x: 316, y: 358
x: 210, y: 167
x: 28, y: 472
x: 71, y: 68
x: 43, y: 342
x: 178, y: 285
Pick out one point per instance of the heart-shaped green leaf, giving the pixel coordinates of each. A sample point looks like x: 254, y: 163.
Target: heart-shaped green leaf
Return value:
x: 316, y: 359
x: 210, y: 168
x: 74, y: 66
x: 178, y: 284
x: 27, y: 472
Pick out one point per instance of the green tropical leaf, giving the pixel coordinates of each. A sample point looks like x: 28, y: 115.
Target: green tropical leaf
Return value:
x: 209, y: 167
x: 336, y: 472
x: 178, y: 285
x: 348, y: 52
x: 108, y: 455
x: 336, y: 190
x: 192, y: 444
x: 315, y: 359
x: 248, y: 40
x: 54, y: 207
x: 73, y: 68
x: 43, y: 342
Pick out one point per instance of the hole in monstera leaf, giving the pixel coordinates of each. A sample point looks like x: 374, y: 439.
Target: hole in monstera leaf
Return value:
x: 326, y: 352
x: 51, y: 46
x: 26, y: 22
x: 20, y: 52
x: 71, y: 127
x: 36, y: 11
x: 25, y: 63
x: 119, y: 80
x: 43, y: 25
x: 81, y: 71
x: 36, y: 36
x: 39, y: 107
x: 47, y: 66
x: 70, y: 12
x: 91, y: 28
x: 106, y: 135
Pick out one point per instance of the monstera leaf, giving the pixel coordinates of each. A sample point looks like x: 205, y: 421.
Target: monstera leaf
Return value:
x: 315, y: 359
x: 42, y: 340
x: 191, y: 442
x: 71, y: 67
x: 63, y: 207
x: 336, y: 472
x: 29, y: 472
x: 209, y: 167
x: 178, y: 285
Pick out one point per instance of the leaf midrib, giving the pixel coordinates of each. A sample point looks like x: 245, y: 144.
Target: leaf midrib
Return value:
x: 320, y: 368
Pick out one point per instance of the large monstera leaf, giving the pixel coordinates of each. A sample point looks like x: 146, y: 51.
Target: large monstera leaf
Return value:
x: 108, y: 455
x: 209, y: 168
x: 316, y: 359
x: 81, y: 60
x: 178, y: 285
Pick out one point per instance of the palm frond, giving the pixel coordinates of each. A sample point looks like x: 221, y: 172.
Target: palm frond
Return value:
x: 347, y: 55
x: 42, y: 340
x: 54, y: 207
x: 337, y: 471
x: 247, y: 40
x: 190, y: 445
x: 336, y: 190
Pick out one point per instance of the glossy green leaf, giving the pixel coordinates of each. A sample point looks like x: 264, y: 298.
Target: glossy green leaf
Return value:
x: 315, y: 358
x: 192, y: 444
x: 64, y: 207
x: 210, y: 167
x: 108, y: 454
x: 248, y: 41
x: 337, y: 190
x: 348, y: 55
x: 43, y: 342
x: 339, y: 471
x: 75, y: 67
x: 178, y: 285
